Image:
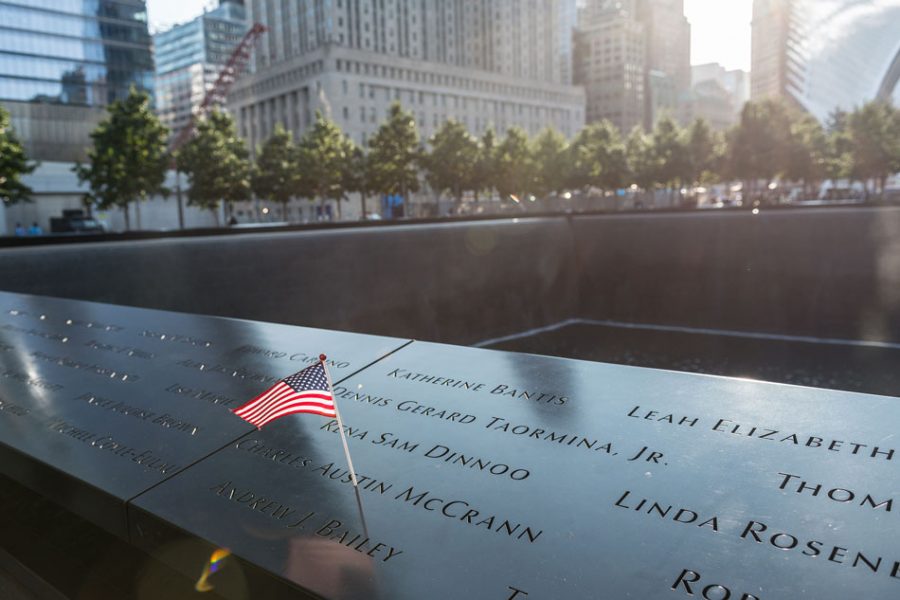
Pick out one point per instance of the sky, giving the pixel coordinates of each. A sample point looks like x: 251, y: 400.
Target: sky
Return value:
x: 720, y: 28
x: 720, y: 32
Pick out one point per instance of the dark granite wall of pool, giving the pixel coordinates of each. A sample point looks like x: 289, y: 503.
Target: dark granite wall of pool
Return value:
x: 819, y: 272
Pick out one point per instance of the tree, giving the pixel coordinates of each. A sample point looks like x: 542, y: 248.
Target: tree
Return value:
x: 551, y: 162
x: 807, y: 152
x: 598, y: 157
x: 128, y: 160
x: 641, y: 165
x: 839, y: 159
x: 324, y: 155
x: 13, y: 164
x: 217, y: 164
x: 514, y: 166
x: 356, y: 174
x: 875, y: 137
x: 394, y: 154
x: 450, y: 166
x: 485, y: 173
x: 759, y: 144
x: 275, y: 175
x: 700, y: 144
x: 670, y: 154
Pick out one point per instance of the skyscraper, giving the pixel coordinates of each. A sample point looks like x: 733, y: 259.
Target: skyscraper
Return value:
x: 611, y: 64
x: 568, y: 22
x: 63, y: 61
x: 669, y: 43
x: 189, y: 57
x: 770, y: 61
x: 668, y: 56
x: 717, y: 95
x: 483, y: 62
x: 825, y: 55
x: 633, y: 57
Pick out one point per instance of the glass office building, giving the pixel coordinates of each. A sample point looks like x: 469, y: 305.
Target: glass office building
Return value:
x: 61, y: 61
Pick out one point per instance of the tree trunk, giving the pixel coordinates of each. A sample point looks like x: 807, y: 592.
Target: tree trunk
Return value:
x: 127, y: 218
x: 137, y: 212
x: 215, y: 212
x: 340, y: 216
x: 405, y: 201
x: 284, y: 210
x: 362, y: 205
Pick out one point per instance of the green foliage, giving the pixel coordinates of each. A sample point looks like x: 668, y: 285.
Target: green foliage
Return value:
x: 356, y: 174
x: 13, y: 164
x: 772, y: 140
x: 641, y: 159
x: 839, y: 157
x: 394, y: 154
x: 875, y: 138
x: 551, y: 162
x: 276, y: 175
x: 323, y: 158
x: 484, y: 175
x: 670, y: 154
x: 759, y: 145
x: 807, y: 153
x: 128, y: 160
x: 598, y: 157
x: 513, y: 164
x: 702, y: 148
x: 216, y: 162
x: 450, y: 166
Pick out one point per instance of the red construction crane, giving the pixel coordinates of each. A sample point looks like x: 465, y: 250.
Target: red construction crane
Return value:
x: 217, y: 94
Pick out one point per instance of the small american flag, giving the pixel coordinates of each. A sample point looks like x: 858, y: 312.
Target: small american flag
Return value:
x: 306, y: 391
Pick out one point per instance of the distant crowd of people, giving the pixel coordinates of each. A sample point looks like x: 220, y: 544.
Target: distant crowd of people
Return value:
x: 35, y: 229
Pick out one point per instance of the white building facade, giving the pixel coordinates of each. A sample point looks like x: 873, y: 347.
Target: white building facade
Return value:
x: 485, y: 63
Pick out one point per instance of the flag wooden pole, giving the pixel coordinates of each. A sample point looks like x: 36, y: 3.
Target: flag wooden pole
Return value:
x: 337, y: 413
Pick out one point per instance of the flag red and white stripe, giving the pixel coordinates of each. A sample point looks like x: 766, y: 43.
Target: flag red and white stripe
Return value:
x: 307, y: 391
